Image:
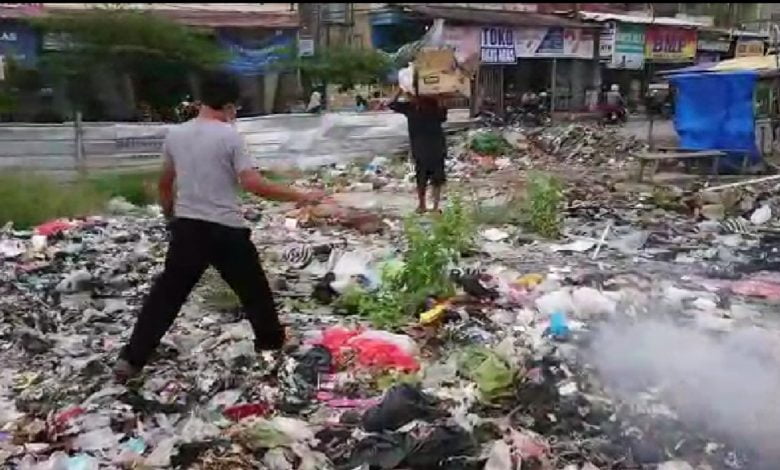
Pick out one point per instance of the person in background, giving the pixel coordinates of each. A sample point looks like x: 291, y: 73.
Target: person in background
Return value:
x: 361, y: 103
x: 614, y: 97
x: 204, y: 166
x: 425, y: 116
x: 376, y: 103
x: 315, y: 102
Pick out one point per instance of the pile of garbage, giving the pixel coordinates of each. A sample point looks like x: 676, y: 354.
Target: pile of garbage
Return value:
x: 586, y: 144
x: 642, y: 338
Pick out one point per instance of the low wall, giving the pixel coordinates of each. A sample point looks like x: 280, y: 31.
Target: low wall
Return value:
x: 280, y: 140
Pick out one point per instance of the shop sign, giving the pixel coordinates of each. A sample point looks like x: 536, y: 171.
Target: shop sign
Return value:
x: 749, y: 48
x: 498, y: 46
x: 713, y: 45
x: 554, y: 42
x: 707, y: 57
x: 305, y: 47
x: 19, y: 42
x: 669, y: 44
x: 629, y: 48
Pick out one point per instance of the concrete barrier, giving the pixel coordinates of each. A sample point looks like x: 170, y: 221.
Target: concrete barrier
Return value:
x: 280, y: 140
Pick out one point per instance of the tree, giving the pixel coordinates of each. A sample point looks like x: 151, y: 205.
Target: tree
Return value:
x: 346, y: 66
x: 142, y: 48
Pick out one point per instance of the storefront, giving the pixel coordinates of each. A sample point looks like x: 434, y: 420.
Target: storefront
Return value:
x: 712, y: 47
x: 554, y: 59
x: 19, y: 43
x: 622, y: 54
x: 669, y: 47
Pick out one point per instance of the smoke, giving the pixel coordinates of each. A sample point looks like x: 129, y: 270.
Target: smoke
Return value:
x: 727, y: 384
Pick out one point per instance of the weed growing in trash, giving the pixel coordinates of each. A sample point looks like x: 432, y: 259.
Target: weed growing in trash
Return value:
x: 489, y: 143
x: 542, y: 204
x: 27, y: 199
x: 430, y: 250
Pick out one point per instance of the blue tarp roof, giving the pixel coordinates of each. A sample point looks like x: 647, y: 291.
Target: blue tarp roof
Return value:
x: 714, y: 111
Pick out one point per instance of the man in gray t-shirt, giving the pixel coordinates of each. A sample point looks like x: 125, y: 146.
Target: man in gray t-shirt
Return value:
x: 205, y: 161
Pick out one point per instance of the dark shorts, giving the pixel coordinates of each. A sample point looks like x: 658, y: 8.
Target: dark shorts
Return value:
x: 430, y: 168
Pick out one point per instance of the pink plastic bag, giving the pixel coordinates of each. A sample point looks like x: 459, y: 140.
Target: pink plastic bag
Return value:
x: 757, y: 288
x: 369, y: 352
x: 54, y: 227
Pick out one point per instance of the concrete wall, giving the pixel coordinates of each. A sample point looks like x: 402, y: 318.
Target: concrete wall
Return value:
x: 280, y: 140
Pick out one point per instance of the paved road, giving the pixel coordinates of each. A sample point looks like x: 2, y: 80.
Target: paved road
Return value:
x: 663, y: 131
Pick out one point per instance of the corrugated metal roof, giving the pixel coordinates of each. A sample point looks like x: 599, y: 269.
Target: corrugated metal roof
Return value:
x: 659, y: 20
x: 495, y: 17
x: 757, y: 63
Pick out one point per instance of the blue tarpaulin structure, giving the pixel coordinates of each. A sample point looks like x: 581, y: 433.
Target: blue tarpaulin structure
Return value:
x: 714, y: 111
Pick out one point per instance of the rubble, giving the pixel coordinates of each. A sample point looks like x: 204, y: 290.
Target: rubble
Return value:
x: 505, y: 372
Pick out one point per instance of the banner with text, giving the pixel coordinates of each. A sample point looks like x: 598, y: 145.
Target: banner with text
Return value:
x: 629, y: 49
x: 553, y: 42
x: 669, y: 44
x: 497, y: 46
x: 749, y: 48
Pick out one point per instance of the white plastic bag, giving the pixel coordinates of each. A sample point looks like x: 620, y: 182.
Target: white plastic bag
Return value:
x: 761, y: 215
x: 406, y: 78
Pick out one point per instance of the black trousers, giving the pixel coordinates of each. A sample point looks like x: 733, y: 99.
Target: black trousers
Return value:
x: 194, y: 245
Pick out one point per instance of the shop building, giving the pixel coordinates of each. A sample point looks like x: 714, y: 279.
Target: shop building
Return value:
x: 511, y: 52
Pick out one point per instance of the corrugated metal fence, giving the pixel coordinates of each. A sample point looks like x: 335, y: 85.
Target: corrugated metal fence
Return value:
x: 274, y: 141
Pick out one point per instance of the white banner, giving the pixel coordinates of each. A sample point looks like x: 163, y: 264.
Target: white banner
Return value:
x: 563, y: 43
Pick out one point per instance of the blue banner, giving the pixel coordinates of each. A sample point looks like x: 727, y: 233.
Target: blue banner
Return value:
x: 714, y: 111
x: 19, y: 42
x: 253, y: 57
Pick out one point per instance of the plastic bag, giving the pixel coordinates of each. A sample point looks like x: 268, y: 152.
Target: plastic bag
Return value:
x: 761, y: 215
x: 406, y: 78
x: 589, y: 302
x: 245, y: 410
x: 54, y: 227
x: 557, y: 301
x: 372, y: 348
x: 494, y: 377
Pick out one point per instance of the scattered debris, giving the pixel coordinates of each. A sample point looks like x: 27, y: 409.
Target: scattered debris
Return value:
x: 460, y: 351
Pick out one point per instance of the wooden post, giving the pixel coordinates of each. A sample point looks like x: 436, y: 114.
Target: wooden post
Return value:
x: 553, y: 86
x: 78, y: 132
x: 650, y: 124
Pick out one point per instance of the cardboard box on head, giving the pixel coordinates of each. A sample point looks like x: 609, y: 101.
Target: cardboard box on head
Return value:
x: 435, y: 72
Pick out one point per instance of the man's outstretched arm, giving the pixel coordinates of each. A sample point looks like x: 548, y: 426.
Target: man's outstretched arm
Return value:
x: 252, y: 182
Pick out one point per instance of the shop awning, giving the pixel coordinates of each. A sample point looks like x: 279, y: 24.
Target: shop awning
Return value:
x: 496, y: 17
x: 639, y: 19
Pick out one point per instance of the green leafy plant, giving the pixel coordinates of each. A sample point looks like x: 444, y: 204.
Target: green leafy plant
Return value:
x: 544, y: 194
x: 430, y: 250
x: 489, y: 143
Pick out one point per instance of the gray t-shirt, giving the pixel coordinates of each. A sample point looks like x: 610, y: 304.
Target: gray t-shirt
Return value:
x: 208, y: 155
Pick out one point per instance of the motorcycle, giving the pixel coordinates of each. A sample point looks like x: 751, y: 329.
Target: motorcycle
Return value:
x: 614, y: 115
